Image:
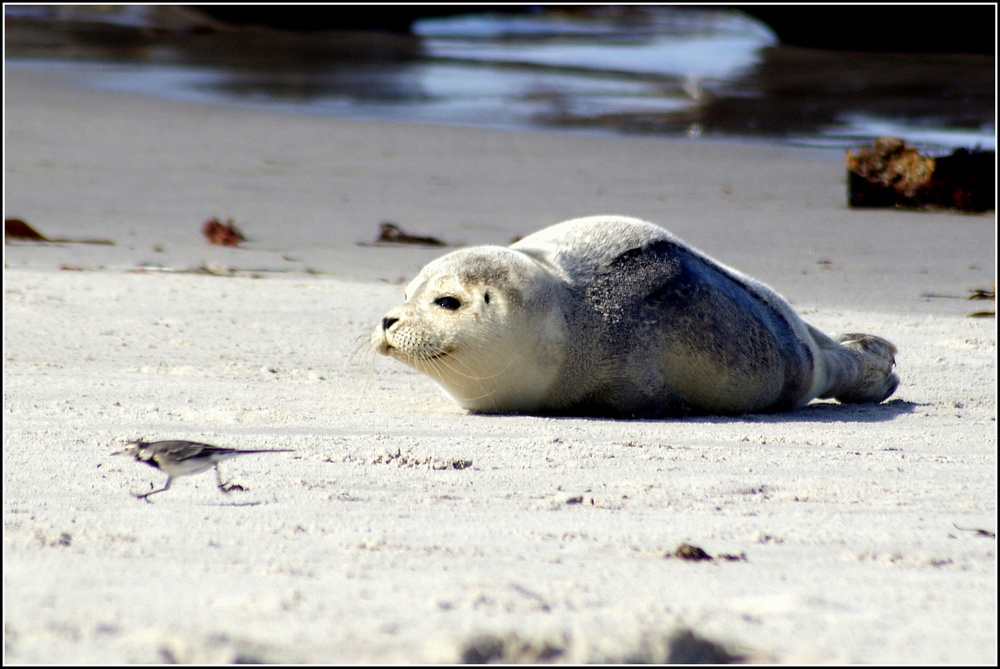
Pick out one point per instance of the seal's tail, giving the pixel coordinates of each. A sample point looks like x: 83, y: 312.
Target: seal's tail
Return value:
x: 873, y: 359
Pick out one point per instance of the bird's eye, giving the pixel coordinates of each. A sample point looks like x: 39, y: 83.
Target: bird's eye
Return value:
x: 447, y: 302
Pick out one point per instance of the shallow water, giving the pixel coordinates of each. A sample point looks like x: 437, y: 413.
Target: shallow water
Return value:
x: 659, y: 72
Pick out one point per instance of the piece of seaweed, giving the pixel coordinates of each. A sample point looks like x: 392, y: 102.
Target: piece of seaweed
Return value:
x: 888, y: 173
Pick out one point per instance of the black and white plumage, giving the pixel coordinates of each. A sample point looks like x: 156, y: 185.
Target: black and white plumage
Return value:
x: 184, y: 458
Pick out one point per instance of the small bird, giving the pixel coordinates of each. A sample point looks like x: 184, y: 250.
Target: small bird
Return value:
x: 184, y: 458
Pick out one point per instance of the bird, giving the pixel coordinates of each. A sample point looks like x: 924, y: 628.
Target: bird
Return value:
x: 184, y: 458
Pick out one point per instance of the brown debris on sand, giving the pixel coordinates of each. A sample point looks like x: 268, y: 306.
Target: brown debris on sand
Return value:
x: 390, y: 233
x: 888, y: 173
x: 692, y: 553
x: 222, y: 234
x: 15, y: 228
x: 18, y: 229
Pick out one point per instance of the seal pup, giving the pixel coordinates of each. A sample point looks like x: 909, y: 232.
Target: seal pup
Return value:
x: 614, y: 316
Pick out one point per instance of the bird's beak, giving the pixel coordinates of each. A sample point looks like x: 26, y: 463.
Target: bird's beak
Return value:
x: 125, y: 448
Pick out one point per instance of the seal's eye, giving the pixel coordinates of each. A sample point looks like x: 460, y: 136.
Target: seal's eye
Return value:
x: 486, y: 298
x: 447, y: 302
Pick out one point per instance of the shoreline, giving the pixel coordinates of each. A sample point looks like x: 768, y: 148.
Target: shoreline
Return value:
x: 307, y: 188
x: 369, y: 544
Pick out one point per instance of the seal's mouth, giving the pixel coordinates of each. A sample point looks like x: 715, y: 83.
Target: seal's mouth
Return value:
x: 428, y: 357
x: 410, y: 358
x: 434, y: 356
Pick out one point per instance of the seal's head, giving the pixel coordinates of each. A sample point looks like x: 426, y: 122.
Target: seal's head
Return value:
x: 486, y: 324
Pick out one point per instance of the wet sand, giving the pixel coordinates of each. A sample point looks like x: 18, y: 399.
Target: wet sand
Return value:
x: 403, y: 529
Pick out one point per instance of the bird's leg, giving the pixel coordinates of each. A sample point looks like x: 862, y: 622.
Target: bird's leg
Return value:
x: 163, y: 489
x: 226, y: 488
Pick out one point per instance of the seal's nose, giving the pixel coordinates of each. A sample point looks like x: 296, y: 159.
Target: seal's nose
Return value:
x: 388, y: 321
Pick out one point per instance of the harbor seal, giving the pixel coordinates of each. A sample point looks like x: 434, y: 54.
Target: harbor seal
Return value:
x: 614, y: 316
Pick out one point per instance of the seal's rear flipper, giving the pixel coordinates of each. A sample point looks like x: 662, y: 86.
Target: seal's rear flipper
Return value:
x: 873, y: 379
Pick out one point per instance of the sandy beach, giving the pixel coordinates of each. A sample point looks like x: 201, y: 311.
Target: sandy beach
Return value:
x: 402, y: 529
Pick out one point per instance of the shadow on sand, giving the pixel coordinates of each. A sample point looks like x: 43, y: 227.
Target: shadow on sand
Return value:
x: 821, y: 412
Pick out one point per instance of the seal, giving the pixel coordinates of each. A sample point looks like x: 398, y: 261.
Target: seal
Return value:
x: 614, y: 316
